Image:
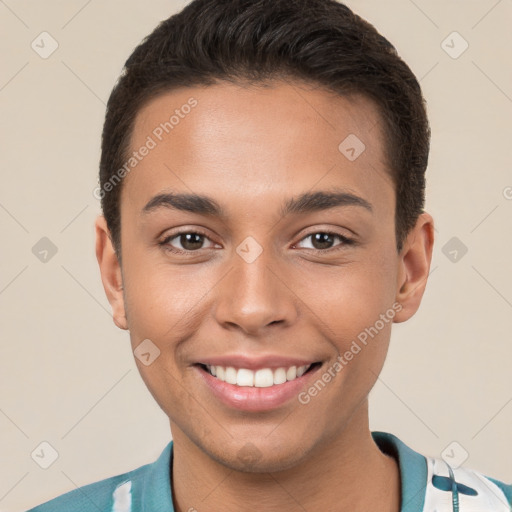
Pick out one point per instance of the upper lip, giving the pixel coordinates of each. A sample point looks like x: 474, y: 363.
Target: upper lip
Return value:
x: 255, y: 363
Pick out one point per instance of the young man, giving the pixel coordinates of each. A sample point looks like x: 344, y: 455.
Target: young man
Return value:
x: 262, y: 184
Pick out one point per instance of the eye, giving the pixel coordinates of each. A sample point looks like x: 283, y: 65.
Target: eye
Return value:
x: 324, y: 240
x: 189, y: 241
x: 193, y: 241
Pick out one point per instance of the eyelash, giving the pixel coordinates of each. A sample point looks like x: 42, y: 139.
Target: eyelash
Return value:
x: 345, y: 241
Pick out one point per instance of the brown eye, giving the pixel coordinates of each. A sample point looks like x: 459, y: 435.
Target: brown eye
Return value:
x: 325, y: 240
x: 191, y: 241
x: 185, y: 241
x: 322, y: 240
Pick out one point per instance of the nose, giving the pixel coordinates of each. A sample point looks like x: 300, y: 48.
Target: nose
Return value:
x: 255, y: 296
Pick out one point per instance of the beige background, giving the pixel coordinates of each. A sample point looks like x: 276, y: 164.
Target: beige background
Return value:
x: 67, y: 375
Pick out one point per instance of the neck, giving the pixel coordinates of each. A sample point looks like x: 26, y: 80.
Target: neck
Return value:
x: 346, y: 473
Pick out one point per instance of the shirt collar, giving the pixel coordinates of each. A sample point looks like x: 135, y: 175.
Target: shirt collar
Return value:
x: 157, y: 492
x: 413, y: 470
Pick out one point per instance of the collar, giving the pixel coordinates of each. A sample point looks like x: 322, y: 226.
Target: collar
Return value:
x: 157, y: 491
x: 426, y: 483
x: 413, y: 470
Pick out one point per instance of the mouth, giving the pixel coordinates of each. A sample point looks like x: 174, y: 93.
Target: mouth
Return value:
x: 261, y: 378
x: 260, y: 389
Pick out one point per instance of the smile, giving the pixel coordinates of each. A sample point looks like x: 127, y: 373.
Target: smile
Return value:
x: 255, y: 384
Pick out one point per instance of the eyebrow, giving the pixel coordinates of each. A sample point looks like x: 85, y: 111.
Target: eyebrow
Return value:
x: 304, y: 203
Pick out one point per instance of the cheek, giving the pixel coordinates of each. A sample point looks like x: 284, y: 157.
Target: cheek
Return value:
x: 348, y: 300
x: 166, y: 304
x: 355, y: 312
x: 162, y: 300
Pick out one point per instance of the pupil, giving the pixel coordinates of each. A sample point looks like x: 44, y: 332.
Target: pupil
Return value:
x: 324, y: 240
x: 188, y: 243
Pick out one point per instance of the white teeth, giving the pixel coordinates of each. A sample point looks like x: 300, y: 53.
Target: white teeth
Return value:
x: 291, y: 373
x: 301, y: 370
x: 230, y: 375
x: 280, y: 376
x: 263, y: 378
x: 245, y: 377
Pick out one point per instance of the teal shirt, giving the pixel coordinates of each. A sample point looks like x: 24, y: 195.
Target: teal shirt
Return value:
x: 427, y: 484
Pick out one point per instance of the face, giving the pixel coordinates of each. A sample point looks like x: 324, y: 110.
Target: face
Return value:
x: 258, y: 244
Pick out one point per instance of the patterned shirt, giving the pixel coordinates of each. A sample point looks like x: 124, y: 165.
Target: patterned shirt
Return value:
x: 428, y: 484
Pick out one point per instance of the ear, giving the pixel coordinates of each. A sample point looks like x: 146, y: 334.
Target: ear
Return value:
x: 110, y: 270
x: 414, y: 267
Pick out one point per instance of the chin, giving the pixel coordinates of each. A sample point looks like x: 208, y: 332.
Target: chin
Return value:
x: 257, y: 457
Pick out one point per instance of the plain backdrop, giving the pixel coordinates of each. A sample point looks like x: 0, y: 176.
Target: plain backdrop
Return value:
x: 67, y: 374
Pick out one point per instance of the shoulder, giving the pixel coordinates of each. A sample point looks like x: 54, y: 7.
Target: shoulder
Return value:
x: 97, y: 496
x: 434, y: 483
x: 118, y: 493
x: 470, y: 488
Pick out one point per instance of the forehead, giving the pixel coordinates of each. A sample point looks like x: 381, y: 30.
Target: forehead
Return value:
x: 257, y: 141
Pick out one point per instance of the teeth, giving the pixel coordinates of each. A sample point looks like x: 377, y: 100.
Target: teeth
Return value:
x: 280, y: 376
x: 300, y: 371
x: 263, y: 378
x: 291, y: 373
x: 244, y: 377
x: 230, y: 375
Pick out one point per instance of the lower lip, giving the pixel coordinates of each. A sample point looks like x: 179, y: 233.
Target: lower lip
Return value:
x: 255, y: 399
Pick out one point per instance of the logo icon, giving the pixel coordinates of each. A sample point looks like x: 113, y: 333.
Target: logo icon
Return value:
x: 249, y: 250
x: 44, y: 45
x: 44, y: 455
x: 146, y: 352
x: 44, y: 250
x: 454, y: 45
x: 352, y: 147
x: 454, y: 249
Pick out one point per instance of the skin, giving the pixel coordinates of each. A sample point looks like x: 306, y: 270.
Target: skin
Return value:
x: 251, y: 149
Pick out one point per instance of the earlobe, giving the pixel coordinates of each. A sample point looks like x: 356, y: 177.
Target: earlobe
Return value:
x: 414, y: 267
x: 110, y: 270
